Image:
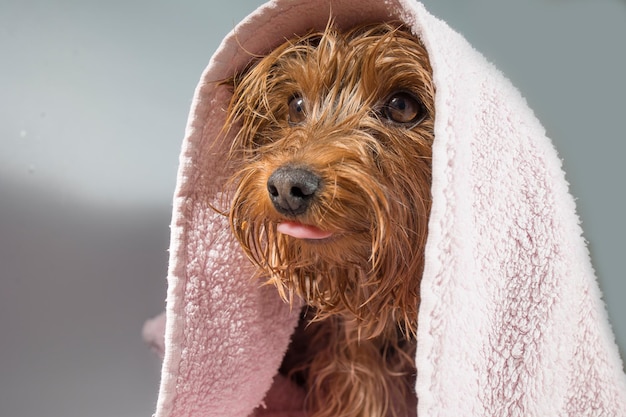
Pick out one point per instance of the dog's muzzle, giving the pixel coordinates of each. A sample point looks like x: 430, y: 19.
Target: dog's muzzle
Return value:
x: 292, y: 189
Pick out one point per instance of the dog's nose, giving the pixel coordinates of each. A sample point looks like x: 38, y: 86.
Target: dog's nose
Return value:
x: 291, y: 189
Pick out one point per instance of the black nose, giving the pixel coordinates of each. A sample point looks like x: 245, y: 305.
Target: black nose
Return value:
x: 292, y: 189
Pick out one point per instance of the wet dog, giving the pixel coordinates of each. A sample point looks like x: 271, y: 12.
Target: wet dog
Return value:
x: 331, y: 199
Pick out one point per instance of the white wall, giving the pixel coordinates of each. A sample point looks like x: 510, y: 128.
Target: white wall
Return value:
x: 93, y: 101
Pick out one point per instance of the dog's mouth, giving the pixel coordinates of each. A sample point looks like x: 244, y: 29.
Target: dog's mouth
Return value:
x: 302, y: 231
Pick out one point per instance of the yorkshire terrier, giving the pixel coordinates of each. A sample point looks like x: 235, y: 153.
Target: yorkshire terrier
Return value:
x: 331, y: 199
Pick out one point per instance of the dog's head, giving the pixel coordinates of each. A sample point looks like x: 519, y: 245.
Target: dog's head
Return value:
x: 332, y: 183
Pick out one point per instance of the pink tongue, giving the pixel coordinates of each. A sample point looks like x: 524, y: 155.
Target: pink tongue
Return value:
x: 302, y: 231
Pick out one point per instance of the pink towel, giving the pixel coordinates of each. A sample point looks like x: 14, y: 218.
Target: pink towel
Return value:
x: 511, y: 321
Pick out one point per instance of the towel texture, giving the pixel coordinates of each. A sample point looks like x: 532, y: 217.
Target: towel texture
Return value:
x: 511, y: 321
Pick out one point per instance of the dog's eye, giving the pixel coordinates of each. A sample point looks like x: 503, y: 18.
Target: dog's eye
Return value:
x: 403, y: 108
x: 297, y: 110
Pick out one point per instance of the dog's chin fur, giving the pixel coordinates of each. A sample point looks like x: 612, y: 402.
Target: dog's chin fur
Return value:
x: 360, y: 285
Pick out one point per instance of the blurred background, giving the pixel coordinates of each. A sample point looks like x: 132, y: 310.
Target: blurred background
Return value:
x: 94, y: 97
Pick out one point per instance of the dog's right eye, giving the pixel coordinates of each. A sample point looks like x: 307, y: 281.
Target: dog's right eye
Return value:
x: 297, y: 110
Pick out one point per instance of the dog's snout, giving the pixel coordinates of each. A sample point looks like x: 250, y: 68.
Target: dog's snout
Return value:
x: 291, y: 189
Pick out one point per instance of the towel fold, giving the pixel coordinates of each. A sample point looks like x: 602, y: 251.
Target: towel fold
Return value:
x: 511, y: 321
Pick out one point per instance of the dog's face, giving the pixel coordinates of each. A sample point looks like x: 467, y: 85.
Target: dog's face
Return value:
x: 332, y: 190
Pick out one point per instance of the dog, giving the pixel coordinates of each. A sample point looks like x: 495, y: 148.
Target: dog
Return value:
x: 330, y: 201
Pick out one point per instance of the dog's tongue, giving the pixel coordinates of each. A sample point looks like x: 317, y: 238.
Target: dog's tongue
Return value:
x: 302, y: 231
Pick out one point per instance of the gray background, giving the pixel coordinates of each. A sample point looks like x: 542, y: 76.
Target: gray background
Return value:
x: 93, y: 102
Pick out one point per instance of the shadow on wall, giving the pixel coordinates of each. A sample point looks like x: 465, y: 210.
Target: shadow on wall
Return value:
x: 77, y: 282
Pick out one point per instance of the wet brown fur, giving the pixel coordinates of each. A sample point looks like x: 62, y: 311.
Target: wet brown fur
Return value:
x: 361, y: 286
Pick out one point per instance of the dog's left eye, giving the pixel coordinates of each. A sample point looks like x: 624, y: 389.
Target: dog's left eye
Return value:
x: 403, y: 108
x: 297, y: 110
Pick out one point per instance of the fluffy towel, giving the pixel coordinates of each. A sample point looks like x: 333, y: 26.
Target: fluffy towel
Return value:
x: 511, y: 321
